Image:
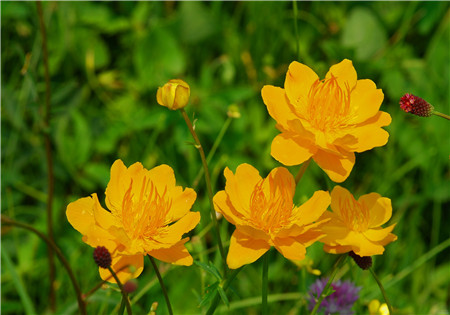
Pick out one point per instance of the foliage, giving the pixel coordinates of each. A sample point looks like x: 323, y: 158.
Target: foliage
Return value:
x: 107, y: 60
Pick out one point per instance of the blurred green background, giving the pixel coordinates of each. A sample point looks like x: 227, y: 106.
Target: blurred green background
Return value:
x: 107, y: 60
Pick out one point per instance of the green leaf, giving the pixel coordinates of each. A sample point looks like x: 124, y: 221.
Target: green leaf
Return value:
x: 210, y: 269
x: 197, y: 23
x: 210, y: 292
x: 73, y: 140
x: 23, y: 294
x: 364, y: 33
x: 223, y: 296
x: 158, y: 58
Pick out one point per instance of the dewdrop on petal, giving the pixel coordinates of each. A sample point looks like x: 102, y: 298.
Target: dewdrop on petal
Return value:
x: 174, y: 94
x: 102, y: 257
x: 416, y: 105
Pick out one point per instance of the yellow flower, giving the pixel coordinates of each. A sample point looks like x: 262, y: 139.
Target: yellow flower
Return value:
x: 327, y: 120
x: 264, y: 215
x: 356, y: 225
x: 174, y: 94
x: 147, y: 214
x: 376, y: 308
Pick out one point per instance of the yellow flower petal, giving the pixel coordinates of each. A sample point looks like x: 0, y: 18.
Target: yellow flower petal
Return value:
x: 290, y: 248
x: 174, y: 232
x: 117, y: 186
x: 299, y: 80
x: 103, y: 218
x: 277, y: 104
x: 345, y: 74
x: 120, y: 262
x: 309, y: 237
x: 182, y: 202
x: 380, y: 208
x: 339, y: 197
x: 162, y: 177
x: 337, y: 167
x: 336, y: 249
x: 312, y: 209
x: 80, y: 214
x: 244, y: 250
x: 239, y: 186
x: 378, y: 234
x: 291, y: 150
x: 223, y: 205
x: 177, y: 254
x: 363, y: 247
x: 366, y: 100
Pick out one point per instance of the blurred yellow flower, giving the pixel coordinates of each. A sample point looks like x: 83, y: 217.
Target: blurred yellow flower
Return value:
x: 264, y: 215
x: 326, y: 120
x: 376, y: 308
x: 174, y: 94
x: 356, y: 225
x: 148, y: 214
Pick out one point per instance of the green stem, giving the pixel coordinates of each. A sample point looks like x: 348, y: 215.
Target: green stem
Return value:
x: 213, y: 149
x: 50, y: 243
x: 208, y: 185
x: 324, y: 293
x: 99, y: 285
x: 161, y: 283
x: 380, y: 285
x: 265, y: 284
x: 48, y: 153
x: 297, y: 43
x: 225, y: 284
x: 124, y: 294
x: 441, y: 115
x: 302, y: 170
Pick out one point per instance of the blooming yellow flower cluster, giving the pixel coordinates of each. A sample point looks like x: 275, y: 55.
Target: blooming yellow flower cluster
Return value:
x: 324, y: 120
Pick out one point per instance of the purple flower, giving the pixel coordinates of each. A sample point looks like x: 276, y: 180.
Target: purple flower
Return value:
x: 339, y: 302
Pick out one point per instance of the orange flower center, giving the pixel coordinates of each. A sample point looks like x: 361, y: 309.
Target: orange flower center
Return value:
x: 272, y: 213
x: 145, y: 214
x: 355, y: 215
x: 328, y: 106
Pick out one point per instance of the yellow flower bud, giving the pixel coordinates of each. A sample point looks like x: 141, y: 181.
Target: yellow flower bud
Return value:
x: 174, y: 94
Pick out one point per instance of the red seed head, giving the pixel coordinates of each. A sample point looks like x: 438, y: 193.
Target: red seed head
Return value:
x: 130, y: 286
x: 416, y: 105
x: 102, y: 257
x: 364, y: 262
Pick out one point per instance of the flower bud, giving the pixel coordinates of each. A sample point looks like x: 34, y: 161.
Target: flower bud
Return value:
x: 174, y: 94
x: 102, y: 257
x: 364, y: 262
x: 130, y: 286
x: 416, y: 105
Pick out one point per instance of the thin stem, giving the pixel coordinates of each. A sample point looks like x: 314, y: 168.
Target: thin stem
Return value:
x: 124, y: 294
x: 265, y: 284
x: 441, y: 115
x: 225, y: 284
x: 48, y: 153
x: 324, y: 293
x: 62, y: 259
x: 208, y: 185
x: 297, y: 43
x: 161, y: 283
x: 213, y: 149
x: 380, y: 285
x: 99, y: 285
x: 301, y: 171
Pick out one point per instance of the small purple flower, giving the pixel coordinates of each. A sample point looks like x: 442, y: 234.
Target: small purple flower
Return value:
x: 339, y: 302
